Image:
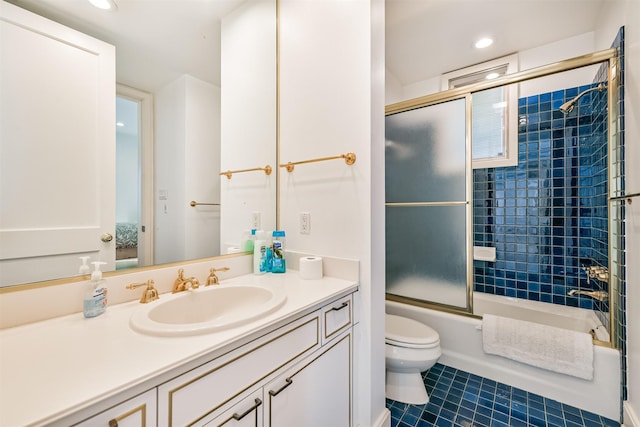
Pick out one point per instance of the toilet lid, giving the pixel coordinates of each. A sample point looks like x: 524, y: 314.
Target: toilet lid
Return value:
x: 406, y: 332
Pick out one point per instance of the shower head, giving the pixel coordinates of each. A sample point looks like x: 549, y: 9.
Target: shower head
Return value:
x: 568, y: 106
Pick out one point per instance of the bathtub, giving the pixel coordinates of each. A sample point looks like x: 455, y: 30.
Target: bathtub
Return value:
x: 461, y: 342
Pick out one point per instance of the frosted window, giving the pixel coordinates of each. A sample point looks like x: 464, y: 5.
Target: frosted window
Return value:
x: 488, y: 124
x: 425, y: 154
x: 426, y: 253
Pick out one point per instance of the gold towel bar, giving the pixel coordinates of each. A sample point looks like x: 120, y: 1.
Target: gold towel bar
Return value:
x: 626, y: 197
x: 349, y: 158
x: 267, y: 171
x: 193, y: 204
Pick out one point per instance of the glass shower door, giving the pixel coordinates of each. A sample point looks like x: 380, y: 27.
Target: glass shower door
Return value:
x: 427, y: 209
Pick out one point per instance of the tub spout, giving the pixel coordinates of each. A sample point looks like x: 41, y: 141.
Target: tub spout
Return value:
x: 598, y: 295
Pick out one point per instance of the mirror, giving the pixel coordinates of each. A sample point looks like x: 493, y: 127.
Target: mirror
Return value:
x: 193, y: 74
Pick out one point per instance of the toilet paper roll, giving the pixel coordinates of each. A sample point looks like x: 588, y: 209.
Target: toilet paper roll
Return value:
x: 311, y: 267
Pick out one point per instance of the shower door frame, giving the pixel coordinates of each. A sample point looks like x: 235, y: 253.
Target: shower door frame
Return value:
x: 609, y: 56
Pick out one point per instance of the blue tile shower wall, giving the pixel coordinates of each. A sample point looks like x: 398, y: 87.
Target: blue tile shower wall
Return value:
x: 547, y: 216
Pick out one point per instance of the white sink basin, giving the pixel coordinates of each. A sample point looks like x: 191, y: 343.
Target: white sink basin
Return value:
x: 206, y: 310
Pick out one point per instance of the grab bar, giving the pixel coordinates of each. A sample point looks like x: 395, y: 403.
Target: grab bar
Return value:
x: 193, y: 204
x: 267, y: 171
x: 349, y: 159
x: 626, y: 197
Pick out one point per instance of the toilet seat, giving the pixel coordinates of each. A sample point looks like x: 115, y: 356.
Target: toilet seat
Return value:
x: 404, y: 332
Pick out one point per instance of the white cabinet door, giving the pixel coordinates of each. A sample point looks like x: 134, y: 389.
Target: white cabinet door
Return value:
x: 57, y: 148
x: 139, y: 411
x: 317, y: 393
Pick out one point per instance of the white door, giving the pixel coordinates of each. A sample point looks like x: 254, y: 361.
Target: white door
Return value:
x: 57, y: 148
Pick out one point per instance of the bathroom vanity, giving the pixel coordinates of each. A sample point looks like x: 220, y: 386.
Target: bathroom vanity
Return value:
x: 291, y: 367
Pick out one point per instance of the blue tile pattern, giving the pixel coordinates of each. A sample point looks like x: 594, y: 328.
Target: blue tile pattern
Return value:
x: 460, y: 399
x: 547, y: 216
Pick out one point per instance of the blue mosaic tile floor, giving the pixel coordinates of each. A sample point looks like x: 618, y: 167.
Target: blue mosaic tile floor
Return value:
x: 460, y: 399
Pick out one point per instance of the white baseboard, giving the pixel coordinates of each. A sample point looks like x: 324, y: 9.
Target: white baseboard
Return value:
x: 384, y: 420
x: 630, y: 417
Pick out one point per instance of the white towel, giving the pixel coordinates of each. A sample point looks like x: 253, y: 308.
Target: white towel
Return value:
x: 547, y: 347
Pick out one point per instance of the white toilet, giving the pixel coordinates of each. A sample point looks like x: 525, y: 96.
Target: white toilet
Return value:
x: 411, y: 347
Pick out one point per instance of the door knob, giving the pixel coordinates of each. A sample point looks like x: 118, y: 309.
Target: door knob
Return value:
x: 106, y: 237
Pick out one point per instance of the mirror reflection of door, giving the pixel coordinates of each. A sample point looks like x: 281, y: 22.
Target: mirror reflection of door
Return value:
x: 128, y: 200
x: 57, y: 114
x: 134, y: 187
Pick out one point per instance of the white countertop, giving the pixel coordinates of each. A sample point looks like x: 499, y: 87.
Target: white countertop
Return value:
x: 53, y: 368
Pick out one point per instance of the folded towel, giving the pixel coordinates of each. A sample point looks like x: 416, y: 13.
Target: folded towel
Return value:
x: 547, y: 347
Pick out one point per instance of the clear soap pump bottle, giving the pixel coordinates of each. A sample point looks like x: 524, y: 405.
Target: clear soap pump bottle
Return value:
x: 95, y: 298
x: 84, y: 268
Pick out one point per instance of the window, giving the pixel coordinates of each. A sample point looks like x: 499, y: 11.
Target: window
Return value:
x: 494, y: 125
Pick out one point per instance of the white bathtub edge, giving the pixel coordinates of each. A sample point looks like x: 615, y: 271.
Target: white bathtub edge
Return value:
x: 461, y: 346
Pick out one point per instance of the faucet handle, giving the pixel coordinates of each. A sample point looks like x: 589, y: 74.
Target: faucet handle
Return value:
x: 150, y: 294
x: 213, y: 279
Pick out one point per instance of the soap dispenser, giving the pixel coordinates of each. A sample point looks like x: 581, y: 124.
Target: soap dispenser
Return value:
x: 84, y: 268
x: 95, y: 298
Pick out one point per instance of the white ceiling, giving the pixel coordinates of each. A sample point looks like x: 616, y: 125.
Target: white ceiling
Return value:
x: 425, y: 38
x: 158, y: 40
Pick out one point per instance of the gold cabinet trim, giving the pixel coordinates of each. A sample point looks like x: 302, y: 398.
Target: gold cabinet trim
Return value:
x: 236, y: 358
x: 142, y: 408
x: 341, y: 327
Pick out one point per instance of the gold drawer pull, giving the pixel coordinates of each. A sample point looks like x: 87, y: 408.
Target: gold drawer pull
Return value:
x: 238, y: 417
x: 275, y: 393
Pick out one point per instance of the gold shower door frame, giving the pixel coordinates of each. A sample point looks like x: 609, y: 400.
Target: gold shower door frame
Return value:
x: 609, y: 56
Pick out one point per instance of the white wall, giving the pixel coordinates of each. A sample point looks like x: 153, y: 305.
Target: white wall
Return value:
x: 248, y: 118
x: 187, y: 142
x: 202, y: 166
x: 332, y: 102
x: 617, y: 14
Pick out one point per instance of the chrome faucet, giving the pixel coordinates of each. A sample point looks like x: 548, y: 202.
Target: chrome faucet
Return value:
x: 182, y: 283
x: 598, y: 295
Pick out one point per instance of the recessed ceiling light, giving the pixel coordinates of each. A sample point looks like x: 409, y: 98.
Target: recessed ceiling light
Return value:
x: 484, y: 42
x: 492, y: 76
x: 104, y: 4
x: 120, y: 124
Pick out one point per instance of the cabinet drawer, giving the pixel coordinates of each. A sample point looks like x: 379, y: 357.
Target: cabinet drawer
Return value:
x: 247, y: 413
x: 137, y: 412
x: 193, y: 398
x: 336, y: 317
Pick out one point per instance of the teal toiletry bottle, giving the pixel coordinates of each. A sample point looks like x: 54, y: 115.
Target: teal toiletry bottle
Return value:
x: 95, y: 299
x: 278, y: 263
x: 266, y: 262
